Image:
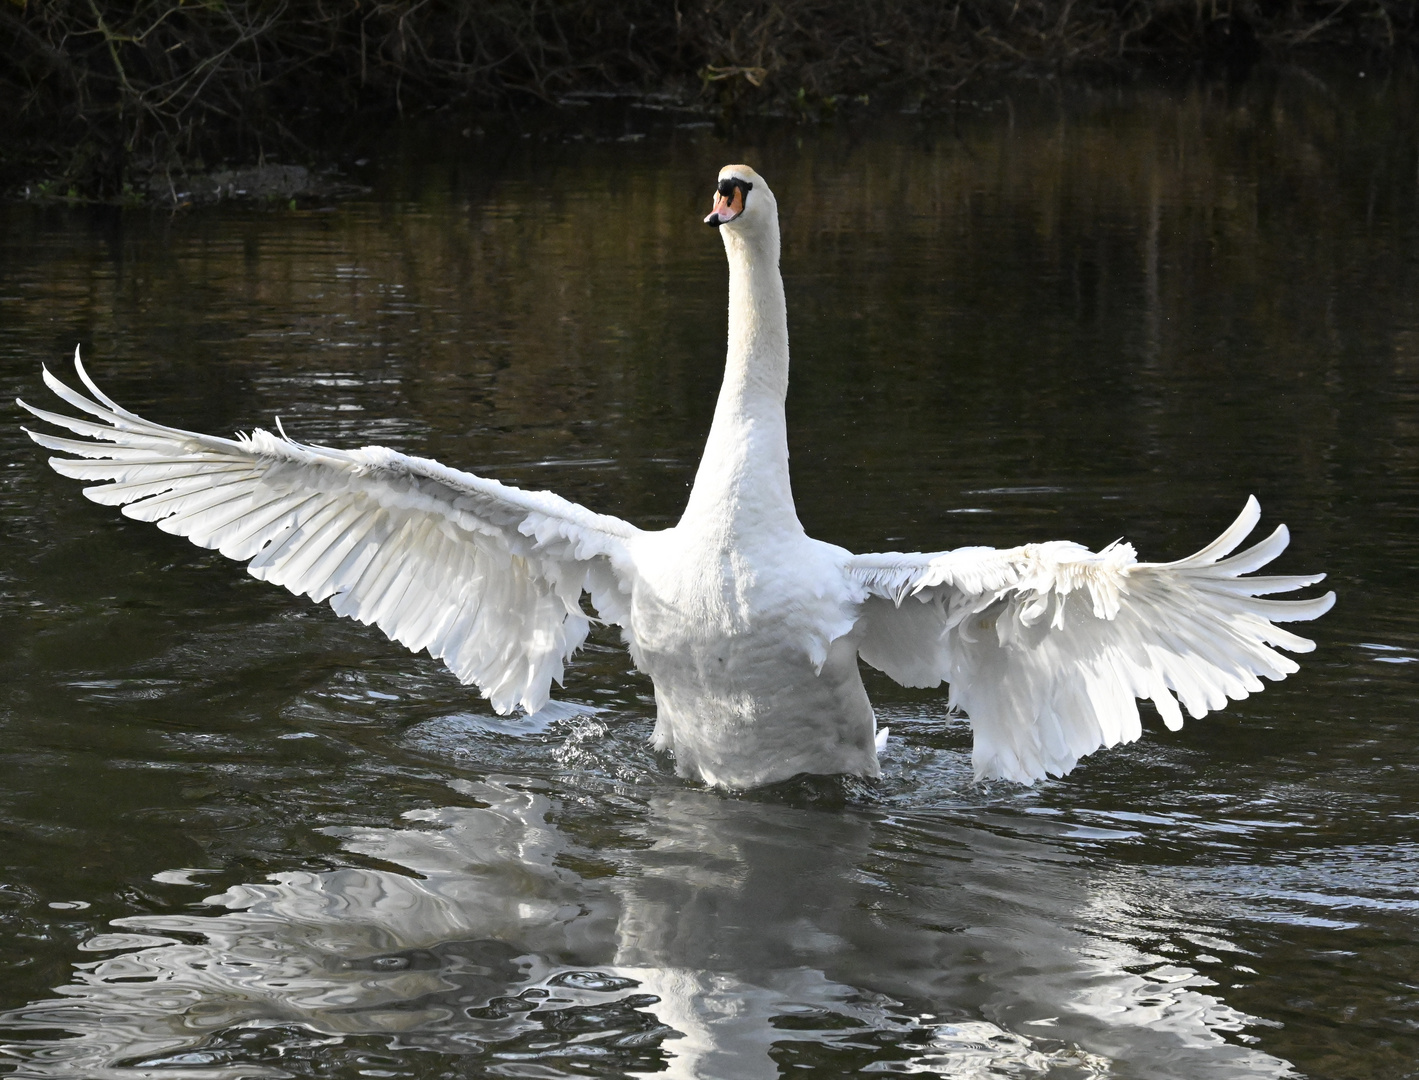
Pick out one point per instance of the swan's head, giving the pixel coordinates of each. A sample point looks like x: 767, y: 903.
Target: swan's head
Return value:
x: 742, y: 201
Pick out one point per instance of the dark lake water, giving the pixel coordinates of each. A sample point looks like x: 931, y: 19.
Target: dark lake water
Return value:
x: 240, y: 837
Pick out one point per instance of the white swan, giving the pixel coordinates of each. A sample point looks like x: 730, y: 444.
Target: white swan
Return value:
x: 750, y: 629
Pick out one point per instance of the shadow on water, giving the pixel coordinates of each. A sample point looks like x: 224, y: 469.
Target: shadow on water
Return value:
x: 708, y: 937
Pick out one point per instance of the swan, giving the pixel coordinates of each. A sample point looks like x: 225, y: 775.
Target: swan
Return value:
x: 750, y: 629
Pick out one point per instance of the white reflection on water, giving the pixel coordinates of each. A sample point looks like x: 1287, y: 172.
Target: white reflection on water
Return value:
x: 707, y: 933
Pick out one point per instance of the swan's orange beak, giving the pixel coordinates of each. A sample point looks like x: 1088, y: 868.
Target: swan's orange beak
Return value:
x: 728, y: 203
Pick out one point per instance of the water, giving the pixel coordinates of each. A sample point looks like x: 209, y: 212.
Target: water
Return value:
x: 244, y: 838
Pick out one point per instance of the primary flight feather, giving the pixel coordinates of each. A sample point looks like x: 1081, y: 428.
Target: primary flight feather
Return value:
x: 750, y: 630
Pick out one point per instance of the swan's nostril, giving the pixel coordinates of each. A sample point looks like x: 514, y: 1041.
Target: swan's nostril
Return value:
x: 729, y: 201
x: 720, y: 213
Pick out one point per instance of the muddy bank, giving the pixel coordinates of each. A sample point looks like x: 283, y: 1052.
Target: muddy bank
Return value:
x: 268, y: 183
x: 101, y: 97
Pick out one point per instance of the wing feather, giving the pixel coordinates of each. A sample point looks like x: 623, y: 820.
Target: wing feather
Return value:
x: 487, y: 577
x: 1048, y: 647
x: 251, y: 525
x: 186, y: 494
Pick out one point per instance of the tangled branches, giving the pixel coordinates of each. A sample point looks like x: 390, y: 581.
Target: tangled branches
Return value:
x: 104, y: 88
x: 159, y: 82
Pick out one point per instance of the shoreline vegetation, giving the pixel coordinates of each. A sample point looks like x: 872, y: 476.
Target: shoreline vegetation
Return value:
x: 110, y: 102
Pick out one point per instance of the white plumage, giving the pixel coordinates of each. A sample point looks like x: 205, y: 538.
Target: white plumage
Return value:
x: 750, y: 630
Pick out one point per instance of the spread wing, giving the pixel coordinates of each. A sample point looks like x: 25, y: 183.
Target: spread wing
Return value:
x: 1048, y: 646
x: 486, y: 577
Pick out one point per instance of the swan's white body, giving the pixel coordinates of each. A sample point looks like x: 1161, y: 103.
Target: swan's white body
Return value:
x: 750, y: 630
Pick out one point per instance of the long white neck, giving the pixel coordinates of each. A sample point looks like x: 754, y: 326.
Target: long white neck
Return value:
x: 743, y: 480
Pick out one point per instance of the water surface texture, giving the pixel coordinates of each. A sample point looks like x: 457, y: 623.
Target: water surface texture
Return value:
x: 240, y: 837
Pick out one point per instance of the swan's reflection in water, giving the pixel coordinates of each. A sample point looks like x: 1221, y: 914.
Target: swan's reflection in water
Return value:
x: 706, y: 937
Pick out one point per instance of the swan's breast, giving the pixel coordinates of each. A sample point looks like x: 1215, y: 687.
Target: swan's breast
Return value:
x: 762, y: 600
x: 755, y: 678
